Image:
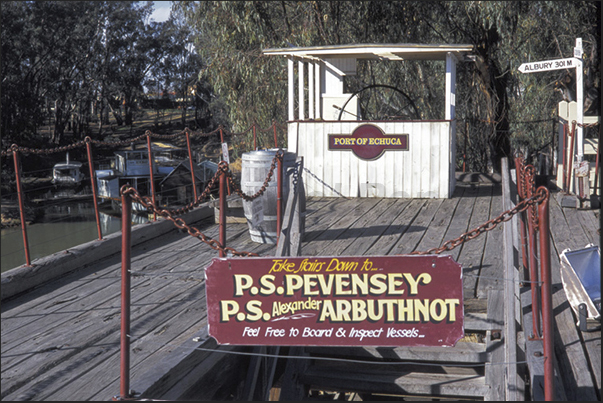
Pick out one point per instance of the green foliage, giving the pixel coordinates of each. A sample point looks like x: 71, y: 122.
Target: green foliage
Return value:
x: 75, y: 62
x: 493, y: 98
x: 70, y: 64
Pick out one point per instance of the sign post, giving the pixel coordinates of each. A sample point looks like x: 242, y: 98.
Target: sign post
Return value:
x: 569, y: 63
x: 336, y: 301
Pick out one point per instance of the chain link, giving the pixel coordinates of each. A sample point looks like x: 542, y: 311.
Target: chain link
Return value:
x: 223, y: 169
x: 103, y: 143
x: 181, y: 224
x: 539, y: 196
x: 237, y: 188
x: 585, y: 125
x: 528, y: 195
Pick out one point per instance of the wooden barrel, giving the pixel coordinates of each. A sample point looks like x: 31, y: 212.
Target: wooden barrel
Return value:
x: 261, y: 213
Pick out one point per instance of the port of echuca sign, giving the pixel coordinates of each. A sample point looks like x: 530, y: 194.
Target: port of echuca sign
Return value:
x: 336, y: 301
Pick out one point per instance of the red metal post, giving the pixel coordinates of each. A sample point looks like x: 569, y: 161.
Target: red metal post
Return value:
x: 535, y: 287
x: 94, y: 190
x: 126, y: 228
x: 222, y: 142
x: 223, y: 207
x: 190, y: 159
x: 151, y: 173
x: 532, y: 251
x: 547, y: 297
x: 279, y: 197
x: 21, y: 205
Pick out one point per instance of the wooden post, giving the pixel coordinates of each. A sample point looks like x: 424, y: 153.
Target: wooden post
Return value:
x: 290, y: 89
x: 510, y: 330
x: 579, y: 99
x: 300, y: 94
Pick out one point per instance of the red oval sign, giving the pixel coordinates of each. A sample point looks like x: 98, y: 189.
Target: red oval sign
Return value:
x: 368, y: 142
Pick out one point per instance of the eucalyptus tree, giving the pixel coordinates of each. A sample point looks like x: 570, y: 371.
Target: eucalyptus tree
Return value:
x: 130, y: 49
x: 179, y: 65
x: 47, y: 58
x: 64, y: 61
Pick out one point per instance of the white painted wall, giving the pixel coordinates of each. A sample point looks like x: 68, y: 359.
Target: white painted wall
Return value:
x: 426, y: 170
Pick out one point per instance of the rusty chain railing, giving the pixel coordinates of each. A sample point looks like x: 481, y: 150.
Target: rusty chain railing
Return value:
x: 15, y: 151
x: 530, y: 202
x: 223, y: 170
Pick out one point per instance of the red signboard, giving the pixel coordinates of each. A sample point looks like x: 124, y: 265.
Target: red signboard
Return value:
x: 368, y: 142
x: 336, y: 301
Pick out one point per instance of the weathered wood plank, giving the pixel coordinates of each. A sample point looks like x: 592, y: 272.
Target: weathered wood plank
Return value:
x: 591, y: 225
x: 461, y: 218
x: 434, y: 235
x: 414, y: 233
x: 104, y: 334
x: 59, y: 314
x: 472, y: 252
x: 514, y: 389
x: 101, y: 360
x: 374, y: 379
x: 495, y: 368
x: 375, y: 229
x: 569, y: 351
x: 357, y: 230
x: 165, y: 324
x: 327, y: 233
x: 534, y: 354
x: 291, y: 388
x: 147, y: 274
x: 592, y: 345
x: 95, y: 308
x: 578, y: 236
x: 466, y: 352
x: 398, y: 226
x: 491, y: 276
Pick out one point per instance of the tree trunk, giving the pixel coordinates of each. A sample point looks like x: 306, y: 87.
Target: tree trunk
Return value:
x: 116, y: 114
x: 59, y: 122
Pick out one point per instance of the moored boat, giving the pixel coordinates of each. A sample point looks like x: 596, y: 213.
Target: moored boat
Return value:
x: 131, y: 166
x: 67, y: 173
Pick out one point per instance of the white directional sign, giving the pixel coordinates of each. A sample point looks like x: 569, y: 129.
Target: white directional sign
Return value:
x: 547, y: 65
x: 569, y: 63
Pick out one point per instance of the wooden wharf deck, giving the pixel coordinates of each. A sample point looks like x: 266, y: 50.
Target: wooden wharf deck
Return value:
x: 60, y: 340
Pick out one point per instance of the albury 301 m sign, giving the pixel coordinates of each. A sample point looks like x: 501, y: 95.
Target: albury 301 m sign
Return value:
x: 336, y: 301
x: 368, y: 142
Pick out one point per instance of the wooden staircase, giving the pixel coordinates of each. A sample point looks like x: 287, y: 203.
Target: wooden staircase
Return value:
x: 471, y: 370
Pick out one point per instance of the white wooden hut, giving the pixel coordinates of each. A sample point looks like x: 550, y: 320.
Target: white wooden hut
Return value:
x: 417, y: 157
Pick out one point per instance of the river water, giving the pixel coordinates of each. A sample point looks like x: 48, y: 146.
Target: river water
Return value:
x: 63, y: 226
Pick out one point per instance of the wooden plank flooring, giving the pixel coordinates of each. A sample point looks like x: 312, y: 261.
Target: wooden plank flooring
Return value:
x: 60, y: 341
